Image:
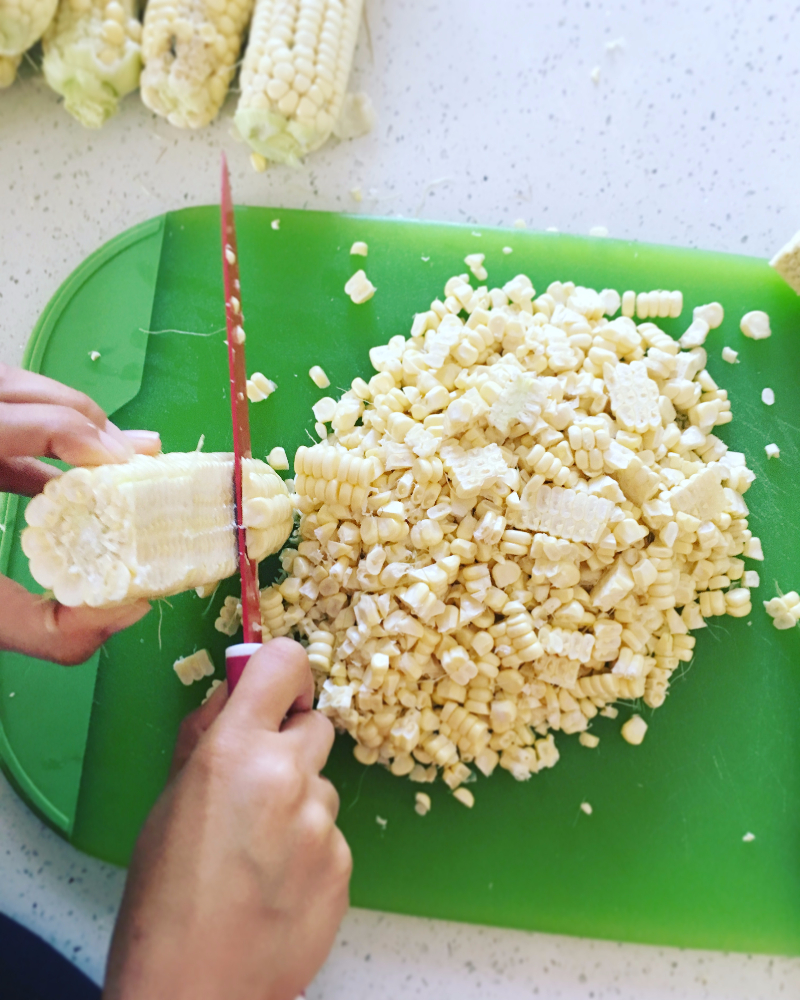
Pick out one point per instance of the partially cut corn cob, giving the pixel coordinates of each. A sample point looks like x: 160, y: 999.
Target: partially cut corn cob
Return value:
x: 190, y: 48
x: 294, y: 75
x: 92, y: 56
x: 150, y: 527
x: 22, y: 23
x: 8, y: 70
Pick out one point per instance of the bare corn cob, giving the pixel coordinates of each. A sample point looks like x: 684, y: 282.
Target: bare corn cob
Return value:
x: 150, y: 527
x: 8, y: 70
x: 190, y: 48
x: 22, y: 23
x: 294, y: 75
x: 92, y: 56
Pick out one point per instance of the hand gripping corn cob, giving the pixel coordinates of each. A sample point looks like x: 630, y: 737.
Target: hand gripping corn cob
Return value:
x: 294, y: 74
x: 22, y: 23
x: 8, y: 70
x: 189, y: 49
x: 92, y: 56
x: 151, y: 527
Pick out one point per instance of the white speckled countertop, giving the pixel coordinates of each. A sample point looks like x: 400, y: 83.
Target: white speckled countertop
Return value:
x: 487, y: 113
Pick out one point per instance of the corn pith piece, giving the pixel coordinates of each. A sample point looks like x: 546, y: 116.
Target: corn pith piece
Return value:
x: 189, y: 49
x: 294, y: 74
x: 22, y: 24
x: 150, y: 527
x: 92, y: 56
x: 8, y: 70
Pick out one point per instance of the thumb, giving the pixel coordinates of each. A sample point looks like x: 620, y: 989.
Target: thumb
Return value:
x: 32, y: 625
x: 195, y: 725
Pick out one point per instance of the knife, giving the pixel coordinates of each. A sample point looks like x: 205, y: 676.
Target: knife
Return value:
x: 237, y: 656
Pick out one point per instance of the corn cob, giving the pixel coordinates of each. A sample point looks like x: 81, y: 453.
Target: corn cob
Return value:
x: 294, y: 74
x: 150, y: 527
x: 22, y: 23
x: 92, y: 56
x: 8, y: 70
x: 189, y: 49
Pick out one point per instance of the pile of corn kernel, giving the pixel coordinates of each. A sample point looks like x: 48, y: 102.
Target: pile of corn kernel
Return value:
x: 518, y: 521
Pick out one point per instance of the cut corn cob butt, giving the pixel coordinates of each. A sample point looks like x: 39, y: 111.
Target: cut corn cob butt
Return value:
x: 150, y: 527
x: 189, y: 49
x: 92, y: 56
x: 294, y: 75
x: 22, y: 23
x: 8, y: 70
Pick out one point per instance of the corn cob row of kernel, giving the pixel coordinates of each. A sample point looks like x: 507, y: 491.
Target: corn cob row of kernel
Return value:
x: 150, y: 527
x: 189, y: 49
x: 294, y: 75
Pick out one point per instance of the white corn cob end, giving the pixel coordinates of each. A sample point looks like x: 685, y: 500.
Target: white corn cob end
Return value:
x: 150, y: 527
x: 294, y: 74
x: 92, y: 56
x: 189, y: 49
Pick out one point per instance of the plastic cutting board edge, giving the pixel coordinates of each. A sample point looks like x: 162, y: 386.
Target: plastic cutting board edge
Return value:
x: 661, y: 859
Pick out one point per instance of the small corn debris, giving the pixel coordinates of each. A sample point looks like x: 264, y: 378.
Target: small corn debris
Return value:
x: 422, y: 803
x: 465, y: 797
x: 748, y: 838
x: 259, y: 387
x: 586, y: 808
x: 318, y: 377
x: 784, y: 610
x: 767, y: 397
x: 94, y: 355
x: 193, y: 668
x: 277, y: 459
x: 772, y: 450
x: 729, y: 355
x: 633, y: 731
x: 359, y: 249
x: 755, y: 325
x: 360, y: 288
x: 214, y: 685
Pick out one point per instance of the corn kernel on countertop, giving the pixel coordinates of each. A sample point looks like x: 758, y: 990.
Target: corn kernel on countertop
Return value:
x: 640, y: 127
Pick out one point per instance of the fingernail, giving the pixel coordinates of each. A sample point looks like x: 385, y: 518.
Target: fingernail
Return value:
x: 144, y: 442
x: 117, y: 434
x: 120, y: 452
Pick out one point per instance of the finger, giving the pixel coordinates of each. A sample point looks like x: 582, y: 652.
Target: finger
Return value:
x: 37, y: 627
x: 195, y: 724
x: 57, y: 432
x: 313, y: 736
x: 19, y: 386
x: 25, y: 476
x: 144, y: 442
x: 276, y: 680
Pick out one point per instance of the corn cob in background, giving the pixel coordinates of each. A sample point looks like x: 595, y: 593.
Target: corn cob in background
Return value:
x: 294, y: 75
x: 8, y: 70
x: 22, y: 24
x: 150, y: 527
x: 190, y: 49
x: 92, y: 56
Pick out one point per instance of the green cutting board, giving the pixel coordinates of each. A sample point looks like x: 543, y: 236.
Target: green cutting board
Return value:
x: 661, y: 859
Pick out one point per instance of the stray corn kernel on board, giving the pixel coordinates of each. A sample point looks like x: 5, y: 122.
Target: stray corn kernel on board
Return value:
x: 661, y: 856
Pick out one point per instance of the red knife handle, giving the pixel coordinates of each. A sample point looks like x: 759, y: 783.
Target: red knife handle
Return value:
x: 236, y: 659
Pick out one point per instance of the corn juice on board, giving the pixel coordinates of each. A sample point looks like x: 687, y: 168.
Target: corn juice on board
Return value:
x: 661, y: 858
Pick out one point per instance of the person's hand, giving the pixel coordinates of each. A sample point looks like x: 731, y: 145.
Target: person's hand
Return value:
x: 240, y: 876
x: 43, y: 418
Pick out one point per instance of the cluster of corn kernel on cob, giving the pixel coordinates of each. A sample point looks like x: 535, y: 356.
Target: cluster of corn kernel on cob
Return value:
x: 184, y: 55
x: 150, y: 527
